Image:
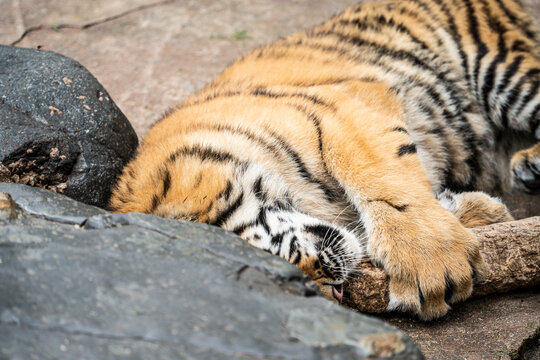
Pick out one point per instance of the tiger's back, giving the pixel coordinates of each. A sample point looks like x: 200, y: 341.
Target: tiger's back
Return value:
x: 348, y: 130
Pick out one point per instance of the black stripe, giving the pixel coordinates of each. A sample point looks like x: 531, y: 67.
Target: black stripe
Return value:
x: 481, y: 48
x: 260, y: 91
x: 510, y: 71
x: 440, y: 132
x: 302, y: 43
x: 155, y: 203
x: 327, y: 272
x: 333, y: 194
x: 489, y: 77
x: 420, y: 293
x: 382, y: 21
x: 211, y: 97
x: 524, y: 27
x: 330, y: 236
x: 463, y: 128
x: 493, y: 23
x: 417, y: 18
x: 514, y: 95
x: 400, y: 129
x: 332, y: 263
x: 226, y: 193
x: 204, y: 153
x: 456, y: 35
x: 330, y: 81
x: 261, y: 220
x: 228, y: 212
x: 319, y: 230
x: 383, y: 50
x: 258, y: 191
x: 129, y: 170
x: 277, y: 239
x: 297, y: 257
x: 281, y: 204
x: 121, y: 198
x: 450, y: 288
x: 535, y: 119
x: 293, y: 246
x: 531, y: 94
x: 129, y: 189
x: 520, y: 46
x: 198, y: 180
x: 239, y: 229
x: 309, y: 43
x: 406, y: 149
x: 166, y: 183
x: 472, y: 160
x: 399, y: 208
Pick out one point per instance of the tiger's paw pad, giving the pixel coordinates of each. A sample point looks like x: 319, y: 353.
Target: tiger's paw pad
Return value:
x: 525, y: 166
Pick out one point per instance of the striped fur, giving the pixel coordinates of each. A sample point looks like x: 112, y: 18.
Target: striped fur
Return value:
x: 368, y: 135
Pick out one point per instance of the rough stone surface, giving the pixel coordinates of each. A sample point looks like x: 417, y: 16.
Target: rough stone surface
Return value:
x: 59, y: 129
x: 174, y: 48
x: 142, y: 287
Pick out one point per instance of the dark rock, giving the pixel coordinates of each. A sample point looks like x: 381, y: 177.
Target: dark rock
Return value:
x: 59, y: 128
x: 142, y: 287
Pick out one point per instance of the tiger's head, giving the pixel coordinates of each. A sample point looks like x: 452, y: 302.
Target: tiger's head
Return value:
x: 200, y: 184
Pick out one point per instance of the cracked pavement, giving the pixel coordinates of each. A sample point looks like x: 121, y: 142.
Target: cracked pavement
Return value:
x: 151, y: 54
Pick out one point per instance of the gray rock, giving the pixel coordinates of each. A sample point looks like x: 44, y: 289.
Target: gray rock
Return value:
x: 49, y: 205
x: 59, y: 128
x: 142, y: 287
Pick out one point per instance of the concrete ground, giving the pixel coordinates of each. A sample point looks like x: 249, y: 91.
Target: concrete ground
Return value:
x: 151, y: 54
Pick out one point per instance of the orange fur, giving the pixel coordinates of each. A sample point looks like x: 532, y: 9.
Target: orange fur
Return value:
x: 351, y: 134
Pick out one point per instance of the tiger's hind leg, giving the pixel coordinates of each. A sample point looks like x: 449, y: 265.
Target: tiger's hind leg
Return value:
x: 509, y: 87
x: 519, y: 109
x: 525, y: 166
x: 474, y: 208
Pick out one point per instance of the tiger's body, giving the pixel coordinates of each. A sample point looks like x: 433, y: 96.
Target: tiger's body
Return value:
x: 369, y: 135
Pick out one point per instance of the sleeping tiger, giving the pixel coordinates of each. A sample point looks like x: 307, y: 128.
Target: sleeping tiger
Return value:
x: 374, y: 134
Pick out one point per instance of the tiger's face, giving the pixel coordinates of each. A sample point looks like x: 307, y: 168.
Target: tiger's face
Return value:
x: 336, y: 257
x: 253, y: 203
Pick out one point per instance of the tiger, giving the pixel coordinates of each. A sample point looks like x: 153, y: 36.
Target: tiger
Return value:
x: 381, y: 134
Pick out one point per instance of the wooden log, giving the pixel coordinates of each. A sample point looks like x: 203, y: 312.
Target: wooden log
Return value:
x: 511, y: 251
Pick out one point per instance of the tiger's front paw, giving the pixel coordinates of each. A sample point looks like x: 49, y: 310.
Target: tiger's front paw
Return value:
x: 431, y: 260
x: 525, y: 166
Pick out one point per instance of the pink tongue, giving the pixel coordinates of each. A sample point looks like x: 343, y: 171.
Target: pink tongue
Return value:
x: 338, y: 295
